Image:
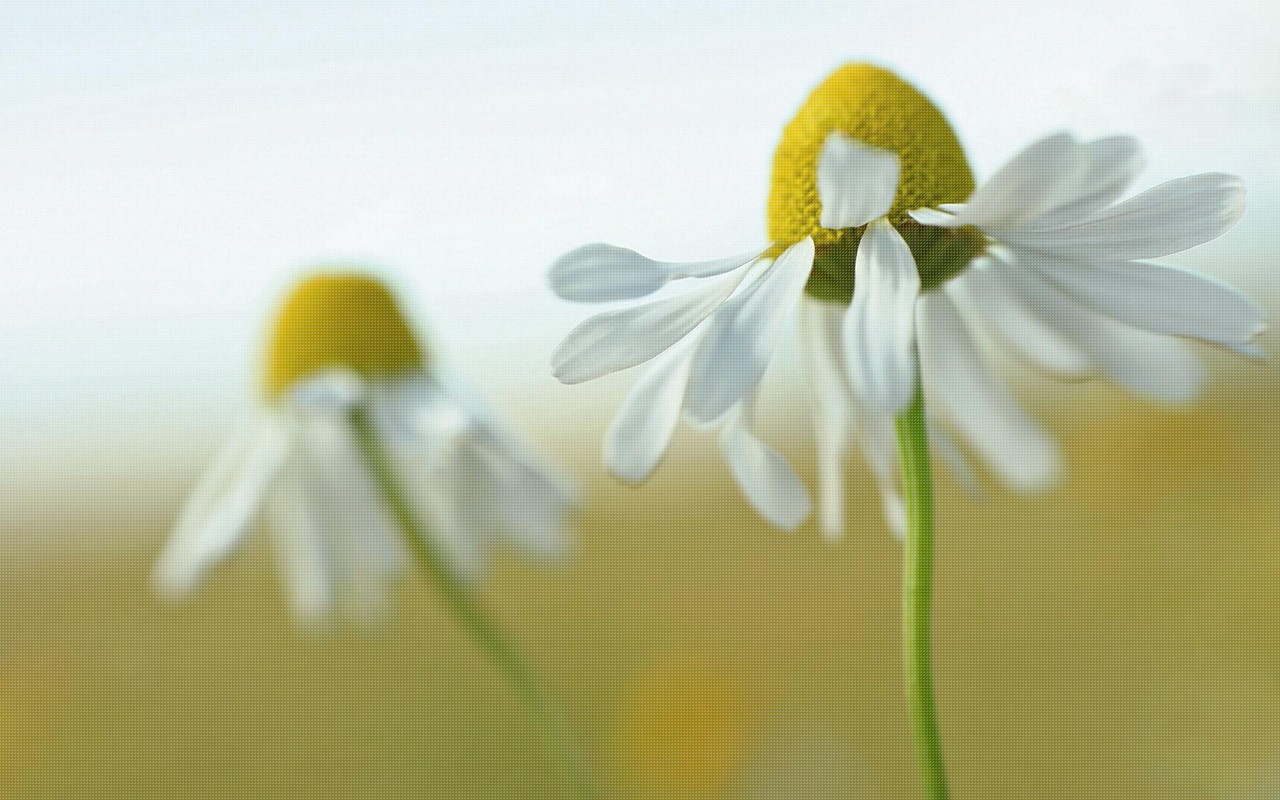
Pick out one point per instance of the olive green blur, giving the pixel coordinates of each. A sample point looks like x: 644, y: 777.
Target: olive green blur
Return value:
x: 1116, y: 637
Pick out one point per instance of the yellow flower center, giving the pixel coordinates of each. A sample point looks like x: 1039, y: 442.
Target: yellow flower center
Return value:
x: 339, y: 320
x: 877, y: 108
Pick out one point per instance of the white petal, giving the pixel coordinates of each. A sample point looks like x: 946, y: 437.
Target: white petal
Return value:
x: 334, y: 390
x: 765, y: 477
x: 837, y: 411
x: 487, y: 430
x: 502, y: 442
x: 1113, y: 164
x: 302, y: 544
x: 936, y: 218
x: 1078, y: 181
x: 820, y: 326
x: 1169, y: 218
x: 426, y: 458
x: 457, y: 534
x: 879, y: 441
x: 895, y: 509
x: 1036, y: 180
x: 639, y: 435
x: 536, y: 513
x: 475, y: 478
x: 475, y: 509
x: 878, y: 438
x: 740, y: 337
x: 532, y: 501
x: 1157, y: 298
x: 223, y: 506
x: 1151, y: 364
x: 1249, y: 350
x: 625, y: 337
x: 365, y: 544
x: 601, y: 273
x: 942, y: 442
x: 991, y: 296
x: 958, y: 380
x: 879, y: 328
x: 856, y: 182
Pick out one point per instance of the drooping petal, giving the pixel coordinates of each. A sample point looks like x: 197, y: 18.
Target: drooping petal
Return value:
x: 879, y: 328
x: 501, y: 437
x: 1019, y: 326
x: 426, y: 456
x: 940, y: 439
x: 1160, y: 367
x: 959, y: 381
x: 623, y: 338
x: 1036, y: 180
x: 1157, y: 298
x: 364, y: 544
x: 486, y: 480
x: 741, y: 336
x: 820, y: 325
x: 856, y: 182
x: 441, y: 496
x: 535, y: 509
x: 1169, y: 218
x: 531, y: 500
x: 601, y: 273
x: 640, y: 433
x: 302, y: 548
x: 879, y: 442
x: 895, y: 508
x: 223, y: 506
x: 1154, y: 365
x: 765, y: 477
x: 874, y: 432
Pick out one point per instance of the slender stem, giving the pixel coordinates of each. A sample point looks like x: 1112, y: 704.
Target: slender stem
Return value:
x: 469, y: 613
x: 917, y: 597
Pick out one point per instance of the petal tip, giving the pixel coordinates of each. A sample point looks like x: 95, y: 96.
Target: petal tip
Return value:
x: 629, y: 474
x: 790, y: 522
x: 171, y: 586
x: 1233, y: 205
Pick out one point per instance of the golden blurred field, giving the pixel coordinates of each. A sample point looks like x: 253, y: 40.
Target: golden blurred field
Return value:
x: 1116, y: 638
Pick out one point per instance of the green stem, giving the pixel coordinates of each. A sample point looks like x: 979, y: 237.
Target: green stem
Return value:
x: 467, y: 611
x: 917, y: 597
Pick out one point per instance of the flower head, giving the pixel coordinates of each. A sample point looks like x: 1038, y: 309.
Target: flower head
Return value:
x: 894, y: 123
x: 909, y: 271
x: 340, y: 345
x: 867, y: 127
x: 344, y: 321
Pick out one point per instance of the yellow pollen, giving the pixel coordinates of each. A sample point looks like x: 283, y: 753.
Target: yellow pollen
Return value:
x: 339, y: 320
x: 877, y: 108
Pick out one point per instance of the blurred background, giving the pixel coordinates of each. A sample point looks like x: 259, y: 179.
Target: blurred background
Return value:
x: 168, y: 169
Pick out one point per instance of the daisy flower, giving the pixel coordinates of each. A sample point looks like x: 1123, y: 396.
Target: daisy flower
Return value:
x: 342, y: 352
x: 900, y: 268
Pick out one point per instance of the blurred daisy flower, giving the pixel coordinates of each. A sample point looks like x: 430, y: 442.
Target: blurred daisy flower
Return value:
x: 342, y: 350
x: 881, y: 241
x: 687, y: 724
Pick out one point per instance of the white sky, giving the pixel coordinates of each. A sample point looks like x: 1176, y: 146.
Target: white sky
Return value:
x: 167, y: 168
